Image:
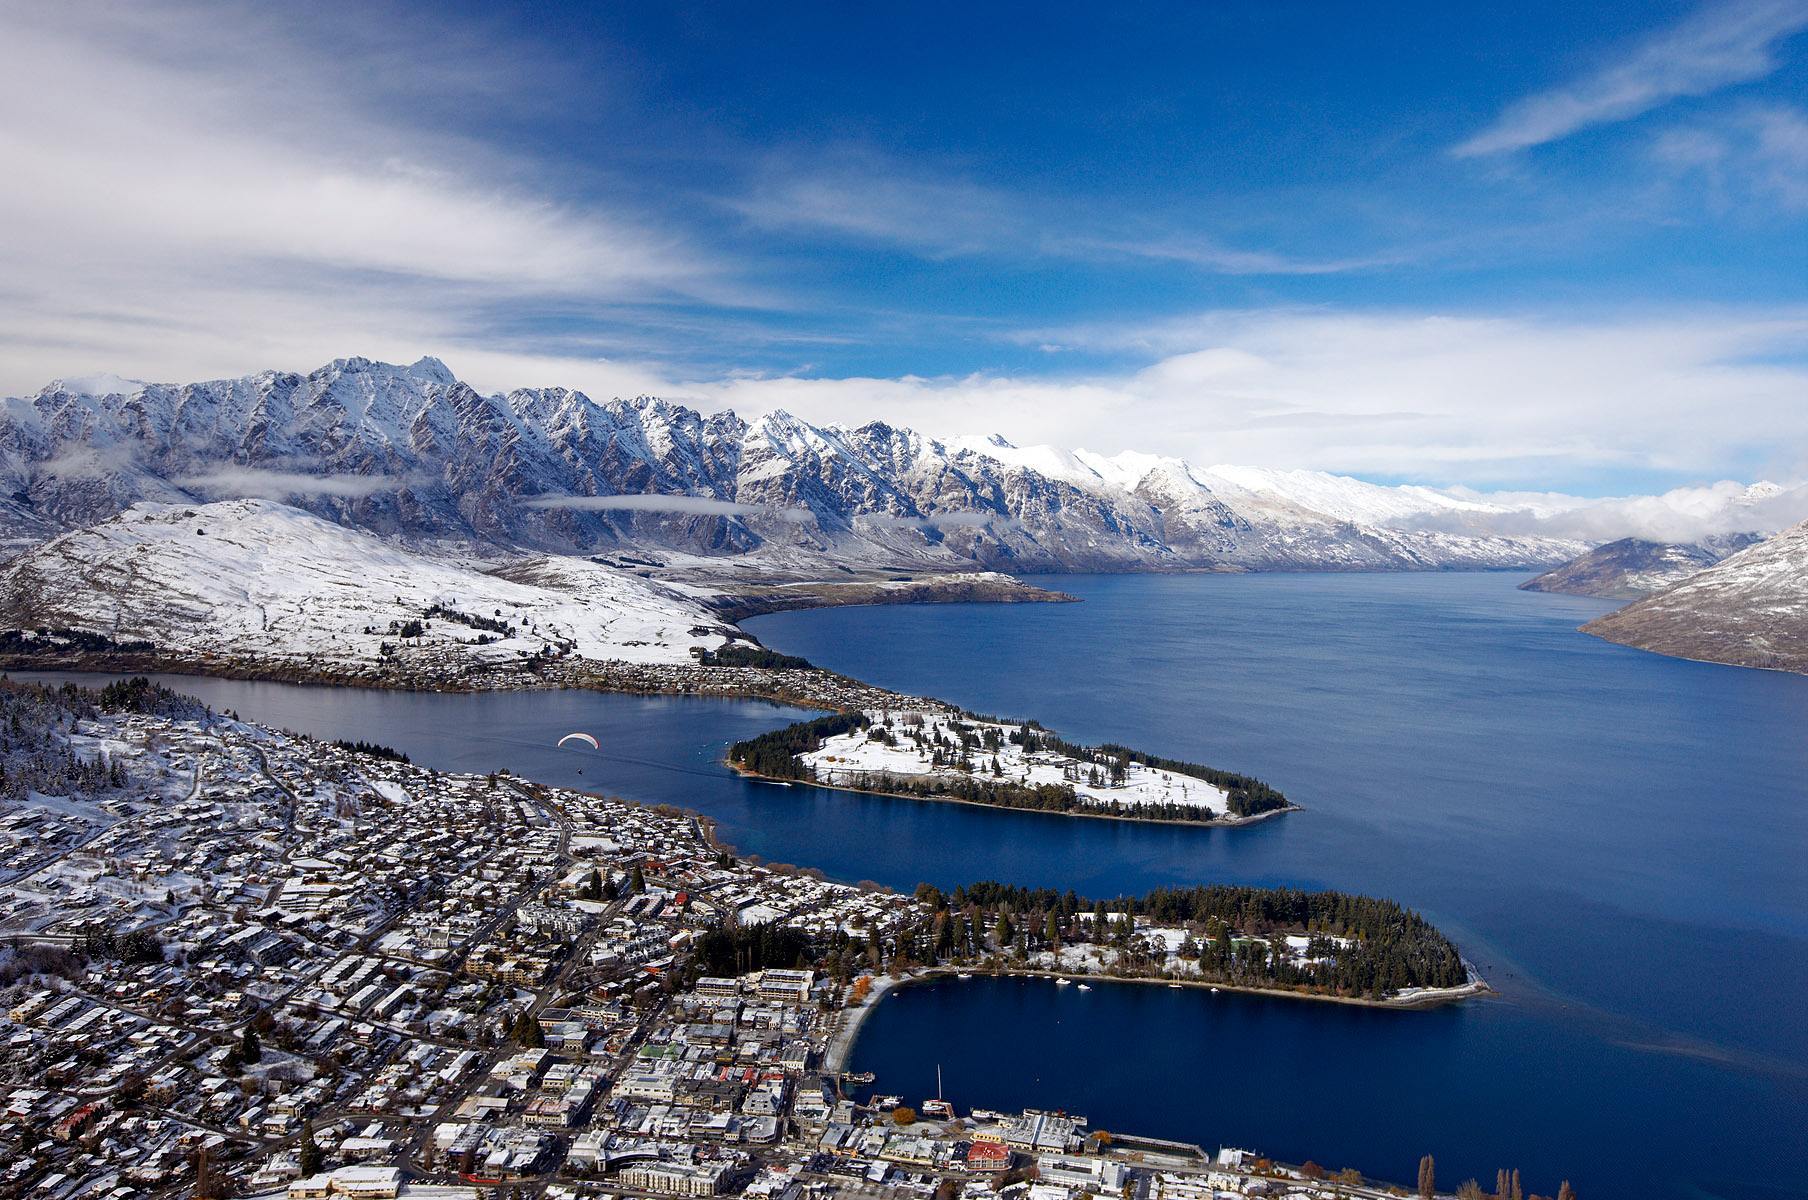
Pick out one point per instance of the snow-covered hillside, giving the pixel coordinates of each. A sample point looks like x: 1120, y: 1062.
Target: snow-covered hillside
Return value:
x: 1750, y: 610
x: 942, y: 746
x: 258, y: 579
x: 1633, y: 567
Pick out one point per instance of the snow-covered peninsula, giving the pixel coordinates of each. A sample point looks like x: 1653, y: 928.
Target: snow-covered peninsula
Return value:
x: 941, y: 753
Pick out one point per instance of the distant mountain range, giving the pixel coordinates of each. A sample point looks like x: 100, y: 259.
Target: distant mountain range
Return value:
x: 255, y: 515
x: 1750, y: 610
x: 413, y: 453
x: 1634, y: 567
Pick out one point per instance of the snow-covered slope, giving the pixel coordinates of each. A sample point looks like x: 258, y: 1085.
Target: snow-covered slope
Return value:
x: 258, y: 579
x: 910, y: 752
x: 1634, y: 567
x: 412, y: 453
x: 1750, y: 610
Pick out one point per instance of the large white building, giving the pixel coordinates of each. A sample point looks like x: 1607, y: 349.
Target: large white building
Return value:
x: 675, y: 1179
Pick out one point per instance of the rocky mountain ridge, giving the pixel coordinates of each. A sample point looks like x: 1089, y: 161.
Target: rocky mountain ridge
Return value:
x: 412, y: 453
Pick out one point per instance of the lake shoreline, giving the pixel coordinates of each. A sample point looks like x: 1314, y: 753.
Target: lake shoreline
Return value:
x: 811, y: 687
x: 846, y: 1038
x: 1214, y: 823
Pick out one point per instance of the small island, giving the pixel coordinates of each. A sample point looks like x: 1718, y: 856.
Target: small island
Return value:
x: 1327, y: 945
x: 940, y: 753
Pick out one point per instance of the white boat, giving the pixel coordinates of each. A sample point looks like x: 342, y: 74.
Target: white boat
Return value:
x: 1214, y: 991
x: 1174, y: 985
x: 1085, y: 987
x: 964, y: 975
x: 1060, y: 982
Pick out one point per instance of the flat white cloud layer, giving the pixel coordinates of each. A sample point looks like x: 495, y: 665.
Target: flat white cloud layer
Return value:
x: 1446, y: 399
x: 683, y: 505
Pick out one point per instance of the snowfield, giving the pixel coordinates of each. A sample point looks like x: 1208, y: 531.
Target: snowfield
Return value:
x: 254, y: 578
x: 847, y: 758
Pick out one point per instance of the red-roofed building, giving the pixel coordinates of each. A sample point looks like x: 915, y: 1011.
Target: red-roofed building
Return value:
x: 988, y: 1156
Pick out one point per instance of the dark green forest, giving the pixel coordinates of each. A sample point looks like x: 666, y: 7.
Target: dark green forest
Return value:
x: 1392, y: 947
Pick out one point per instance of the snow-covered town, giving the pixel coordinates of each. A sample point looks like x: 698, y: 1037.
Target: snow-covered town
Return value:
x: 243, y: 962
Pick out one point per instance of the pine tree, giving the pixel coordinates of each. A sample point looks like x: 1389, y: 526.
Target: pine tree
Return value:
x: 637, y: 882
x: 249, y: 1049
x: 1005, y: 932
x: 308, y: 1152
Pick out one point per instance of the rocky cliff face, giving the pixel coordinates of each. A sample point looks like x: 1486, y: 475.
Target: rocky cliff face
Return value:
x: 1750, y: 610
x: 411, y: 452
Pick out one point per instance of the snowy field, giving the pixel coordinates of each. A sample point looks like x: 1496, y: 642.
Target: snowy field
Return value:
x: 848, y: 757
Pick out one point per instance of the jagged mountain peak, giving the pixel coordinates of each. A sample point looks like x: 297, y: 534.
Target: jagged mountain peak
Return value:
x: 410, y: 451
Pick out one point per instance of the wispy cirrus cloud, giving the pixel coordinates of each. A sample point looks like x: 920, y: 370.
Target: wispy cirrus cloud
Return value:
x: 863, y: 195
x: 1758, y: 152
x: 1725, y: 43
x: 214, y: 181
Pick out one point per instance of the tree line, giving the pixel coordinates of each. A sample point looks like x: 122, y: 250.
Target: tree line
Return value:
x: 776, y: 754
x: 738, y: 654
x: 1358, y: 945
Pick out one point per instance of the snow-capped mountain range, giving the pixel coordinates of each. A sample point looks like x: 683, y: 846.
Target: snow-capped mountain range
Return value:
x: 413, y: 454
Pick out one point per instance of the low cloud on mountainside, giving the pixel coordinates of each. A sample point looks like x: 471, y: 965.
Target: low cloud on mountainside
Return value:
x: 690, y: 505
x: 1682, y: 515
x: 281, y: 485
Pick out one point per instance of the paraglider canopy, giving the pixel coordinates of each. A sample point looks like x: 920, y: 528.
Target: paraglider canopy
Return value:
x: 580, y: 737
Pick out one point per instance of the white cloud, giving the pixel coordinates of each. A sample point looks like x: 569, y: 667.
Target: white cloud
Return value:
x: 1722, y: 44
x: 281, y: 485
x: 1439, y: 398
x: 1687, y: 514
x: 857, y: 193
x: 205, y: 184
x: 1756, y: 152
x: 686, y: 505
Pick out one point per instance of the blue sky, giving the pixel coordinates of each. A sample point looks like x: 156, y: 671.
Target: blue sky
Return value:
x: 1534, y: 246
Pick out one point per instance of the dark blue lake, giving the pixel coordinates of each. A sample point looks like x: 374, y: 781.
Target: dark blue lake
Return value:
x: 1619, y: 840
